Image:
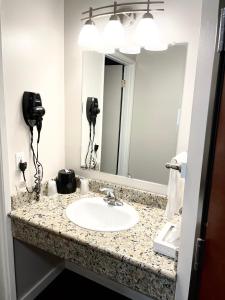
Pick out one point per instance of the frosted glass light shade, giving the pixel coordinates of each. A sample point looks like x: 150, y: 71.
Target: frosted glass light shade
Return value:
x: 130, y: 46
x: 158, y: 45
x: 132, y: 49
x: 146, y: 28
x: 105, y: 50
x: 147, y: 34
x: 113, y: 34
x: 89, y: 37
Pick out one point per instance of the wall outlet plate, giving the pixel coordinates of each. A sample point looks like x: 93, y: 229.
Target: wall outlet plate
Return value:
x: 19, y: 157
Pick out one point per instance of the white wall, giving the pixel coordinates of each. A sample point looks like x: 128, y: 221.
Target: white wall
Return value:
x: 202, y: 94
x: 73, y: 83
x: 183, y: 25
x: 158, y: 92
x: 180, y: 22
x: 33, y: 60
x: 7, y: 271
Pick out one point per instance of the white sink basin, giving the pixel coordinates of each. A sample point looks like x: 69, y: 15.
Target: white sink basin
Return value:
x: 95, y: 214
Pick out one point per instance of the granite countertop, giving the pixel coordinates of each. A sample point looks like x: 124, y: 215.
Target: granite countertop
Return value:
x: 45, y: 225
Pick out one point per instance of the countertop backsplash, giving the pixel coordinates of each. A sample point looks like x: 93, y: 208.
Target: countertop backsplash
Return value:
x: 22, y: 197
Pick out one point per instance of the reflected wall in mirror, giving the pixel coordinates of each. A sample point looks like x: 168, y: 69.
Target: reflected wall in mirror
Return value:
x: 139, y: 97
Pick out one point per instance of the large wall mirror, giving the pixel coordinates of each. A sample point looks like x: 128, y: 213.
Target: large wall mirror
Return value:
x: 136, y: 102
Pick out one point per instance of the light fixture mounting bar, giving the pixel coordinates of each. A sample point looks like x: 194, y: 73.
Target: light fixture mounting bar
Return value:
x: 124, y: 3
x: 148, y: 6
x: 121, y: 12
x: 90, y: 13
x: 116, y: 5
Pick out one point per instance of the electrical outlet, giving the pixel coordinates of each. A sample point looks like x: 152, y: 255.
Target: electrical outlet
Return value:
x: 19, y: 158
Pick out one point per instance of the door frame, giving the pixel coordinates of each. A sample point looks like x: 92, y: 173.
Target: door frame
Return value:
x: 208, y: 158
x: 197, y: 153
x: 127, y: 110
x: 7, y: 270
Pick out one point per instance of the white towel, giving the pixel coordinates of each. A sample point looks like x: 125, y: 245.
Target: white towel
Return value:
x: 175, y: 187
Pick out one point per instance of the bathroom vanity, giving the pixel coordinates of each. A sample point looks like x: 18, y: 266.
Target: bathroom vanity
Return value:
x: 125, y: 257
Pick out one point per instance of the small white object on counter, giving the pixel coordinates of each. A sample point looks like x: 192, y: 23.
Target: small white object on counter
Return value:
x: 84, y: 186
x: 52, y: 189
x: 167, y: 240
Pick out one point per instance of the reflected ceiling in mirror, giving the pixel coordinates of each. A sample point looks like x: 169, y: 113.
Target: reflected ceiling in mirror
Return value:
x: 131, y: 110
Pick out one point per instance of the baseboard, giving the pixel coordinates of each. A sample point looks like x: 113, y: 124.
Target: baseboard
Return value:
x: 43, y: 283
x: 102, y: 280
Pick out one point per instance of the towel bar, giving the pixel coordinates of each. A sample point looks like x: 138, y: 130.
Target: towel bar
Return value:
x: 173, y: 166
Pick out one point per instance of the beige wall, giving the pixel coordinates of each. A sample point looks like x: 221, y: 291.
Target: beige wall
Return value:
x: 177, y: 24
x: 33, y: 60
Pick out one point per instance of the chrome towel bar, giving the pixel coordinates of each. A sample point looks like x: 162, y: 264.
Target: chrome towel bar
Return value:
x: 176, y: 167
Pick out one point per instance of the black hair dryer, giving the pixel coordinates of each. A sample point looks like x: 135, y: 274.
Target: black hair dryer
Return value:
x: 92, y: 110
x: 33, y: 111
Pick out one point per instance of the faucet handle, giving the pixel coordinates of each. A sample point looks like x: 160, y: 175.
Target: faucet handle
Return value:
x: 109, y: 192
x: 111, y: 197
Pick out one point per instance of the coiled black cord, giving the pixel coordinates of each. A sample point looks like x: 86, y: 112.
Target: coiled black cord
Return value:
x: 38, y: 176
x: 88, y: 149
x: 91, y: 155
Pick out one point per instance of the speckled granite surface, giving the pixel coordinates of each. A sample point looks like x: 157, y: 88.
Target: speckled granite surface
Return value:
x: 122, y: 192
x: 130, y: 194
x: 22, y: 197
x: 126, y: 257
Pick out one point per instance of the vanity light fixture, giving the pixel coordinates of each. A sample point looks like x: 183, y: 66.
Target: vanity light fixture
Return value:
x: 89, y: 37
x: 115, y: 36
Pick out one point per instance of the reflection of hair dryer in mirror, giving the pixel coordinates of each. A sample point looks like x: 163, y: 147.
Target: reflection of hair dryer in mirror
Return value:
x: 92, y: 110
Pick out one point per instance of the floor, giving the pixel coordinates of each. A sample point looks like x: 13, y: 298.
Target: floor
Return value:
x: 70, y: 286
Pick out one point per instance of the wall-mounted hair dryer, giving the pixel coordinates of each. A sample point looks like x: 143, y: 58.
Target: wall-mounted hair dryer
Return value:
x: 33, y: 113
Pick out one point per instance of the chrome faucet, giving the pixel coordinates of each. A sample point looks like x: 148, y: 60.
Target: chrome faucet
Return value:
x: 110, y: 197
